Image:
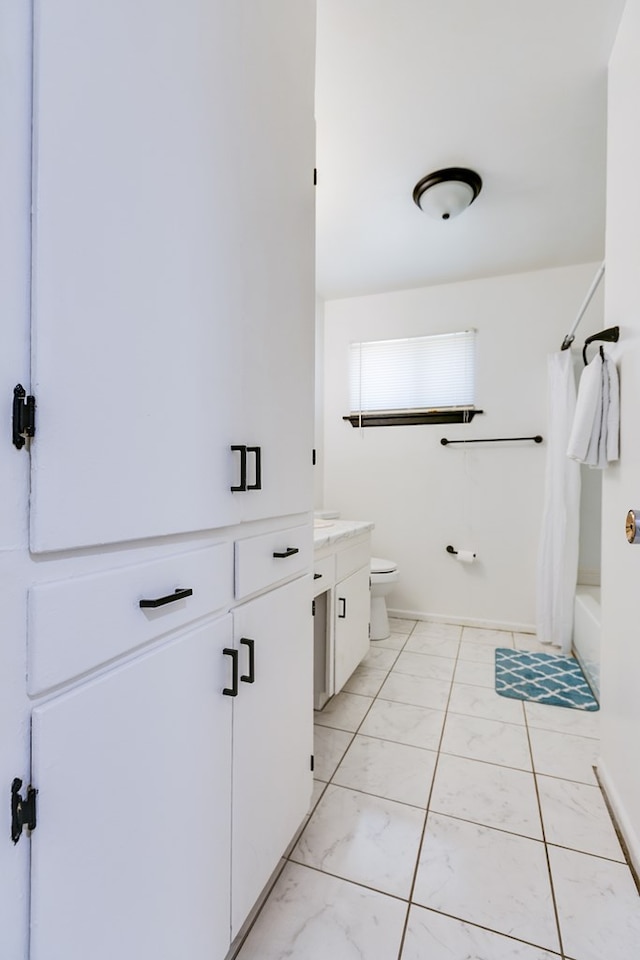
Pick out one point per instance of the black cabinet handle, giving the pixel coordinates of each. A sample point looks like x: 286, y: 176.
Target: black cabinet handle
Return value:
x: 317, y: 576
x: 243, y: 468
x: 289, y: 552
x: 170, y: 598
x: 251, y: 676
x: 258, y: 455
x: 342, y: 600
x: 232, y: 691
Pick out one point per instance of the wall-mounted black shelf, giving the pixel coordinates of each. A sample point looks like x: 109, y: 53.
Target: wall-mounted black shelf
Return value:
x: 409, y: 418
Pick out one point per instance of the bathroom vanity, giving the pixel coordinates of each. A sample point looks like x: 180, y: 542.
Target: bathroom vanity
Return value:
x: 342, y: 554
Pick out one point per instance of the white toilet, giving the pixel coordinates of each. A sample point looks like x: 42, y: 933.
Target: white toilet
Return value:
x: 384, y: 574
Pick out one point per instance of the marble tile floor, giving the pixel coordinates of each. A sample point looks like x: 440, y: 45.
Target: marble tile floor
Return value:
x: 449, y: 823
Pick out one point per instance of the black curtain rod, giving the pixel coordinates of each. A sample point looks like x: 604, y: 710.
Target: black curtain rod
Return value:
x: 536, y: 439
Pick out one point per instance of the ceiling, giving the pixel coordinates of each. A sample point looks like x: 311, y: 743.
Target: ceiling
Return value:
x: 515, y: 89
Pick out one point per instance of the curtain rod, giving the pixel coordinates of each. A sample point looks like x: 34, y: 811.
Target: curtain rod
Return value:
x: 568, y: 340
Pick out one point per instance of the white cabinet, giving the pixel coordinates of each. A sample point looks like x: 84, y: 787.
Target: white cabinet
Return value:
x: 276, y: 199
x: 272, y: 736
x: 134, y: 260
x: 342, y: 605
x: 351, y: 636
x: 131, y: 854
x: 170, y: 786
x: 172, y: 321
x: 173, y: 295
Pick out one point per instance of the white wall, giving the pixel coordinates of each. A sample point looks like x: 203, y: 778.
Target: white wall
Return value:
x: 423, y: 496
x: 620, y: 684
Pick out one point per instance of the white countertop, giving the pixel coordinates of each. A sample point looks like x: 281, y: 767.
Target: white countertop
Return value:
x: 328, y: 532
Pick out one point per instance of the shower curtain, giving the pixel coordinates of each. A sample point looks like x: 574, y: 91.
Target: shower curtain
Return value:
x: 557, y: 571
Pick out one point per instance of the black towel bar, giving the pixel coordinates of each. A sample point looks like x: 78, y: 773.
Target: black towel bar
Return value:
x: 536, y: 439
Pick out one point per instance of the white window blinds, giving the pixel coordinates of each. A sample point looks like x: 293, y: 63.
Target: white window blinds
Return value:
x: 413, y: 374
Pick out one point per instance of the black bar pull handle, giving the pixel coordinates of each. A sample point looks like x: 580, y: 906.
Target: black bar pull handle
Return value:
x: 257, y: 451
x: 170, y: 598
x: 289, y: 552
x: 251, y: 647
x: 317, y: 576
x: 232, y: 691
x: 342, y: 616
x: 242, y: 450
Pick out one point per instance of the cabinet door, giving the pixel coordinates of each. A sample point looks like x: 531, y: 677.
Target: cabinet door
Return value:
x: 276, y: 207
x: 272, y: 736
x: 131, y: 855
x: 352, y: 608
x: 135, y: 282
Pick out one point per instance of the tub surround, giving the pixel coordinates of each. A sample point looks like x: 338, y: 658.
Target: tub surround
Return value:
x: 587, y: 633
x: 342, y: 559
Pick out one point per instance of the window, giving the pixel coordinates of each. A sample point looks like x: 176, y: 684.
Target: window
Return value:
x: 413, y: 380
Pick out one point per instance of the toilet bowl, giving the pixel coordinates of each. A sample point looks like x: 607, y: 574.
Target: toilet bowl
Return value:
x: 383, y: 576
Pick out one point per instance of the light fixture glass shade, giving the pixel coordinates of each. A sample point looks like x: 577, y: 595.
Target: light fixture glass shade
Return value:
x: 446, y: 199
x: 446, y: 193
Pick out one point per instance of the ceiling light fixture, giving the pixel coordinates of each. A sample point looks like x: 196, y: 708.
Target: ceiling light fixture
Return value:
x: 446, y: 193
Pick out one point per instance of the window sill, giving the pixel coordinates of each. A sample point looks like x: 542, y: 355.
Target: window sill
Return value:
x: 408, y: 418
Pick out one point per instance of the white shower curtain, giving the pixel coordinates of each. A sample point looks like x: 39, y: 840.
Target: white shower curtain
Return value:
x: 557, y: 571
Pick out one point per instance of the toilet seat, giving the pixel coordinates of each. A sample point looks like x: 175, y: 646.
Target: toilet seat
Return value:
x: 380, y: 565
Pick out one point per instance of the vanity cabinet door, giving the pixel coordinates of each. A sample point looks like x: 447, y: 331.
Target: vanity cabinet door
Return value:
x: 351, y: 612
x: 272, y: 736
x: 135, y: 269
x: 131, y: 855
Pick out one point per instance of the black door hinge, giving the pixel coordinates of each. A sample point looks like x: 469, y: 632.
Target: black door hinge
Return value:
x: 313, y: 608
x: 23, y: 811
x: 312, y: 762
x: 24, y: 416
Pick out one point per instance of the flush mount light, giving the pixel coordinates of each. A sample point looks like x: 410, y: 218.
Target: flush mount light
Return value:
x: 446, y: 193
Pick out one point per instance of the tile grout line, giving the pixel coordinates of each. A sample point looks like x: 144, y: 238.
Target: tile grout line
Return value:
x: 544, y: 838
x: 426, y: 813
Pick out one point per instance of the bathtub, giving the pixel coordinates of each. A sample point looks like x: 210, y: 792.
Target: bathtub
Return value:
x: 587, y: 633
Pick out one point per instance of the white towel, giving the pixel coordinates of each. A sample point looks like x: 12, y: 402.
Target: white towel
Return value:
x: 594, y: 435
x: 585, y: 432
x: 613, y: 420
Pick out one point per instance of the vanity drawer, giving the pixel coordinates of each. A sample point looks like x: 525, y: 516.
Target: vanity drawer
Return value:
x: 353, y: 558
x: 78, y: 624
x: 268, y: 559
x: 324, y: 574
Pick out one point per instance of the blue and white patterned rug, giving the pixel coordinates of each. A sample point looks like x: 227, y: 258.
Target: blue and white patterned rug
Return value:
x: 543, y: 678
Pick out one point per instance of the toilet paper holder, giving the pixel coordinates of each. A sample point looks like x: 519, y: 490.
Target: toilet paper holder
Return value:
x: 453, y: 550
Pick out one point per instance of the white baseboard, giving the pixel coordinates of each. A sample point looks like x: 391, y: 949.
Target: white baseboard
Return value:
x: 465, y: 621
x: 630, y: 838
